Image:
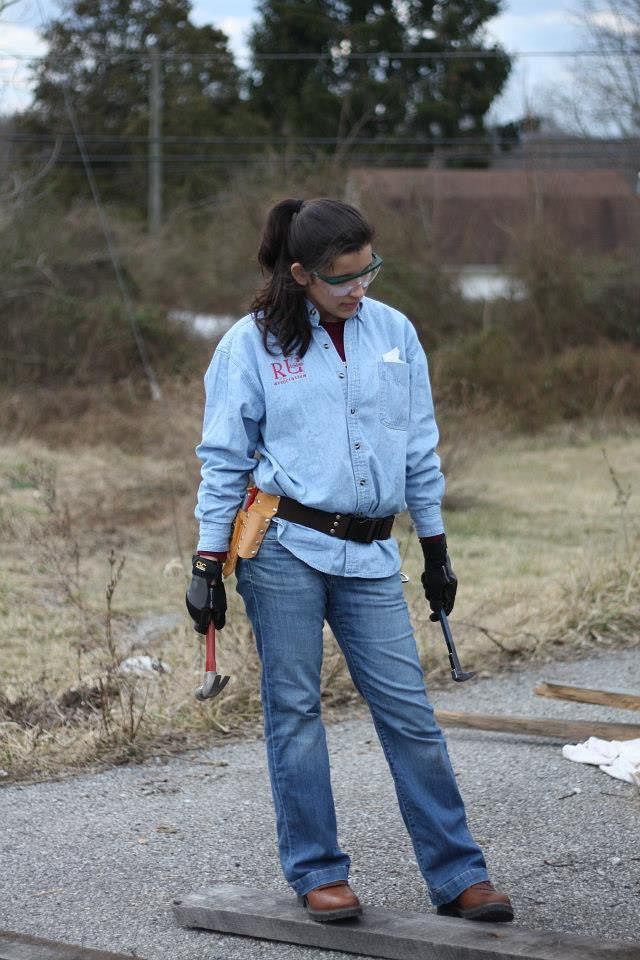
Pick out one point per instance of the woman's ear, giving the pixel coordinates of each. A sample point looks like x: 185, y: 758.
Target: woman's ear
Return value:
x: 300, y: 275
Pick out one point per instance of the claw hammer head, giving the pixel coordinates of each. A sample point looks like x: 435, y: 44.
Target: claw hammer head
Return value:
x: 213, y: 682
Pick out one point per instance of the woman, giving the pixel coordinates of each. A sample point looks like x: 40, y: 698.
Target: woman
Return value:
x: 323, y: 395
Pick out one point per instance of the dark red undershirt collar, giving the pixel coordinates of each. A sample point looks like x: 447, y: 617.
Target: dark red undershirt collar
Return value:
x: 335, y: 329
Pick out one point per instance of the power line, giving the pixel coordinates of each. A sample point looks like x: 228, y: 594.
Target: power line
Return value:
x: 489, y: 140
x: 353, y: 158
x: 488, y: 54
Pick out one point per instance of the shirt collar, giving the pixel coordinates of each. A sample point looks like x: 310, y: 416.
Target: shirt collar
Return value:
x: 314, y: 316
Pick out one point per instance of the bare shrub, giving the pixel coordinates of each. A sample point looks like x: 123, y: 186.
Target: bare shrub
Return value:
x: 601, y: 600
x: 572, y: 299
x: 524, y: 392
x: 113, y: 701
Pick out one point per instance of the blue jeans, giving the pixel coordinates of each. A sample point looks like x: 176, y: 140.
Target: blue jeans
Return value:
x: 287, y: 602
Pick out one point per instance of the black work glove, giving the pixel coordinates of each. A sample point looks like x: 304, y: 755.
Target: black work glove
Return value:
x: 439, y: 580
x: 206, y: 598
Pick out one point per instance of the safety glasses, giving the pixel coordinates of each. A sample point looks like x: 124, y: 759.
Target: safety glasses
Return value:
x: 345, y: 284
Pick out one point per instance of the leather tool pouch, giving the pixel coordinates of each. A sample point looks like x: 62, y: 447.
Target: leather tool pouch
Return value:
x: 249, y: 529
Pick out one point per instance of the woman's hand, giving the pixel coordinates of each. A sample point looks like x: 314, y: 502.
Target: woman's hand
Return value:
x: 206, y: 598
x: 439, y: 581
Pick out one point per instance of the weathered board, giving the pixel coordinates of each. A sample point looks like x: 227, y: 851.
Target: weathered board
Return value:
x: 608, y: 698
x: 567, y: 730
x: 229, y: 908
x: 20, y: 946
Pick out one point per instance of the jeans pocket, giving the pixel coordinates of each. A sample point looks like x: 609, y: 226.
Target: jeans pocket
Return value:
x: 393, y: 395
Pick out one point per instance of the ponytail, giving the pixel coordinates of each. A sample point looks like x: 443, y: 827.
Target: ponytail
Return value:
x: 275, y: 239
x: 313, y: 233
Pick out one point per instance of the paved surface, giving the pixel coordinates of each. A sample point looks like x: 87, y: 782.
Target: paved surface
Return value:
x: 98, y: 859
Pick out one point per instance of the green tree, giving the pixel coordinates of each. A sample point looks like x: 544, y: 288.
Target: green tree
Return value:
x: 358, y: 89
x: 99, y: 51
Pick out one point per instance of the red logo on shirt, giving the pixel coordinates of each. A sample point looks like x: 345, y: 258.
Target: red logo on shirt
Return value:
x: 288, y: 369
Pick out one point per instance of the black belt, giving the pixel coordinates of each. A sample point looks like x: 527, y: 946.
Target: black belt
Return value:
x: 345, y: 526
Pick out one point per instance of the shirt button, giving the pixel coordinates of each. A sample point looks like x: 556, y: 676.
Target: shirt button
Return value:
x: 326, y: 346
x: 362, y: 483
x: 341, y: 375
x: 353, y: 409
x: 357, y: 446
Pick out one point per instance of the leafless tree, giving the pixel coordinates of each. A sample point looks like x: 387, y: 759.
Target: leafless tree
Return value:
x: 15, y: 186
x: 606, y: 94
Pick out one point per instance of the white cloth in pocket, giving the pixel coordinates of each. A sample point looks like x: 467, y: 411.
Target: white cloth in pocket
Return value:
x: 392, y: 356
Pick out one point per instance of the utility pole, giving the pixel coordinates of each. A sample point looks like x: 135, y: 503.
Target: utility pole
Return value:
x: 154, y: 212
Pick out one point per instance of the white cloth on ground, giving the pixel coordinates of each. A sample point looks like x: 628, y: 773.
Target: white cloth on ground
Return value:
x: 618, y: 758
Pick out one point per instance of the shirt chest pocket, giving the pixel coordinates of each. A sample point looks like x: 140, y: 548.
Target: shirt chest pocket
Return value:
x: 393, y: 394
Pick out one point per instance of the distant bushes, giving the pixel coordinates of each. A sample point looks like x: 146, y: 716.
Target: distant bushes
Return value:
x: 63, y: 320
x: 569, y: 347
x: 491, y: 371
x: 571, y: 299
x: 66, y: 341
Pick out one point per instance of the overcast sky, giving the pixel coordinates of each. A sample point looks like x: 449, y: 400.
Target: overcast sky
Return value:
x: 526, y: 25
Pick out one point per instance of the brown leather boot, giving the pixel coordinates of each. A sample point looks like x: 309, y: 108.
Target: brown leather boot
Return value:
x: 331, y: 901
x: 481, y: 901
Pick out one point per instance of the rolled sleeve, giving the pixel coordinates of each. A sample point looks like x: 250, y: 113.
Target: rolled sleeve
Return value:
x: 234, y: 407
x: 424, y: 480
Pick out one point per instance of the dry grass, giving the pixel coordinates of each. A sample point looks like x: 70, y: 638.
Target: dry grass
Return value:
x: 534, y: 525
x: 550, y: 557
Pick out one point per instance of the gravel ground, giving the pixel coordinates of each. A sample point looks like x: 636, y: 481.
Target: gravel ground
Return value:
x: 97, y: 860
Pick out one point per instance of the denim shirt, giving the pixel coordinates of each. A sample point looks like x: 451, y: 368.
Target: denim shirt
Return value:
x: 355, y: 438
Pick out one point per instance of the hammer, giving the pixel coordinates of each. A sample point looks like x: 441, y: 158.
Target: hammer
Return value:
x: 213, y: 681
x: 458, y: 674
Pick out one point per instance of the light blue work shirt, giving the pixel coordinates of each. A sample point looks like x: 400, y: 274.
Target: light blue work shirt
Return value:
x: 352, y: 438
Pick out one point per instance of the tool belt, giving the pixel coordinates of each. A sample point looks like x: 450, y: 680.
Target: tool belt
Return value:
x: 259, y: 509
x: 252, y: 519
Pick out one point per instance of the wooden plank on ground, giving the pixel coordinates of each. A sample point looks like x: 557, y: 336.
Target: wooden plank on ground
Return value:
x: 20, y: 946
x: 230, y: 908
x: 568, y: 730
x: 608, y: 698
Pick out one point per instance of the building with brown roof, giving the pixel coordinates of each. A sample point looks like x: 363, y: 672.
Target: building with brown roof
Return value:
x: 474, y: 219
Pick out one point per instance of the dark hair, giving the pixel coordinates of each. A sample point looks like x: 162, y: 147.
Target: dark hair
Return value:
x: 313, y: 233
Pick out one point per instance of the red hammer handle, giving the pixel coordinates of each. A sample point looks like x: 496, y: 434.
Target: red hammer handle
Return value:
x: 210, y: 656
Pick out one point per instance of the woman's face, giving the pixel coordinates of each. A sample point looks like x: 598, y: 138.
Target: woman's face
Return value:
x: 332, y: 304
